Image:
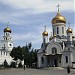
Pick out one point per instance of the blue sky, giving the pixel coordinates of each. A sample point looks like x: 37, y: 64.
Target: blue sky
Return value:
x: 27, y: 18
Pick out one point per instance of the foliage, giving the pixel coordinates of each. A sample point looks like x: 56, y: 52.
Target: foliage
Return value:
x: 5, y: 64
x: 26, y: 53
x: 13, y: 64
x: 20, y: 65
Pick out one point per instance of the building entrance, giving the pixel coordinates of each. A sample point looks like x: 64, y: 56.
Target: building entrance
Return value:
x: 55, y: 62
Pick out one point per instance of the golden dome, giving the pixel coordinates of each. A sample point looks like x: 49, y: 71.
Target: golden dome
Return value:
x: 69, y: 30
x: 7, y: 29
x: 58, y: 19
x: 50, y: 38
x: 73, y: 36
x: 45, y: 33
x: 55, y: 35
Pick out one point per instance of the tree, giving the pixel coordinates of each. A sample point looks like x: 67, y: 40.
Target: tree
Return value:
x: 13, y: 64
x: 16, y: 53
x: 5, y: 64
x: 26, y: 53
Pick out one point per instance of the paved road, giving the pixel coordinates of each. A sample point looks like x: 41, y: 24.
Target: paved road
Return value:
x: 34, y: 72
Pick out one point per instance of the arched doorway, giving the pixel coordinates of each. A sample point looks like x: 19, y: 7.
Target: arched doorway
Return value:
x: 55, y: 62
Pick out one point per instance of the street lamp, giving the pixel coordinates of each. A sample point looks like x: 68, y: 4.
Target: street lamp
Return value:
x: 24, y: 60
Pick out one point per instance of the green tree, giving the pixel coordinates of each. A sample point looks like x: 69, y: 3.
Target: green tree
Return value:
x: 26, y: 53
x: 5, y: 64
x: 16, y: 53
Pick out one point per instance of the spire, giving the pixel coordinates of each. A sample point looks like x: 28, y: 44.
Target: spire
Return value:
x: 58, y: 6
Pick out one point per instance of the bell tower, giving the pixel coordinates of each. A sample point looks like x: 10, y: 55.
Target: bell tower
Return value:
x: 7, y: 34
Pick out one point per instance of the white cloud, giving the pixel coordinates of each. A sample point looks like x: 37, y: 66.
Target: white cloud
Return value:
x: 40, y: 5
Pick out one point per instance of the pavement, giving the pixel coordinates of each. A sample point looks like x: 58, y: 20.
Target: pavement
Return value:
x: 21, y: 71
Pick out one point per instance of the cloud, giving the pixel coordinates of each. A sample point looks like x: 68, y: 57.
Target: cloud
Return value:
x: 28, y: 17
x: 39, y: 5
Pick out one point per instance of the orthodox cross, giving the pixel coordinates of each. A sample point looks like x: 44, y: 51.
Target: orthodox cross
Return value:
x: 7, y: 23
x: 69, y: 24
x: 45, y: 28
x: 58, y: 6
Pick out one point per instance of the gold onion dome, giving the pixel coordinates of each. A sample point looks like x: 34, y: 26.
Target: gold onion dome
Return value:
x: 58, y: 19
x: 73, y: 36
x: 69, y: 30
x: 50, y: 38
x: 54, y: 35
x: 45, y: 33
x: 7, y: 29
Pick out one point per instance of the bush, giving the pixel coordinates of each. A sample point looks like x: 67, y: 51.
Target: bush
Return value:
x: 20, y: 65
x: 5, y: 64
x: 13, y: 65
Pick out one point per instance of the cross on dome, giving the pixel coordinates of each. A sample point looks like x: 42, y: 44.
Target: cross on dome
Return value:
x: 7, y: 23
x: 69, y: 24
x: 58, y: 6
x: 45, y: 28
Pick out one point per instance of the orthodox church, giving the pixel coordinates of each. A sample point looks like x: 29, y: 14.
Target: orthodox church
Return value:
x: 6, y: 46
x: 59, y: 51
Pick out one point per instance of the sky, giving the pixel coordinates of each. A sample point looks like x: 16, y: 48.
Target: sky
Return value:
x: 27, y: 18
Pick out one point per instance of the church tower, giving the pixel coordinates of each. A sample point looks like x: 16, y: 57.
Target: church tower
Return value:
x: 45, y: 36
x: 7, y: 44
x: 59, y: 24
x: 7, y: 34
x: 69, y: 34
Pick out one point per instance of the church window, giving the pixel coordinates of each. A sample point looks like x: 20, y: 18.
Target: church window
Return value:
x: 62, y: 30
x: 4, y: 53
x: 54, y: 50
x: 4, y: 47
x: 6, y: 34
x: 42, y: 60
x: 68, y: 48
x: 10, y: 44
x: 6, y: 38
x: 53, y: 31
x: 66, y: 59
x: 1, y: 53
x: 57, y: 30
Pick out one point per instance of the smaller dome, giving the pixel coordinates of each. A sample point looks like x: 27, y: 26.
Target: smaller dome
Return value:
x: 45, y: 33
x: 69, y: 30
x: 55, y: 35
x: 7, y: 29
x: 73, y: 36
x: 50, y: 38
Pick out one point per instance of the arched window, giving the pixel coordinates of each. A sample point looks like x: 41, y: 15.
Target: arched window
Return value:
x: 62, y: 30
x: 42, y: 60
x: 53, y: 31
x: 54, y: 50
x: 66, y: 59
x: 57, y: 30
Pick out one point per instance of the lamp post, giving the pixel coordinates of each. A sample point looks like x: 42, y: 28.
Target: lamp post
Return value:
x: 24, y: 60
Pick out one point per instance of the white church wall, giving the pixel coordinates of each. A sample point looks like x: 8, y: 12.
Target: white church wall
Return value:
x: 40, y: 64
x: 69, y: 55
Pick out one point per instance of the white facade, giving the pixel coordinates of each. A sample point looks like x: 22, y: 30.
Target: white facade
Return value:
x: 60, y: 50
x: 6, y: 46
